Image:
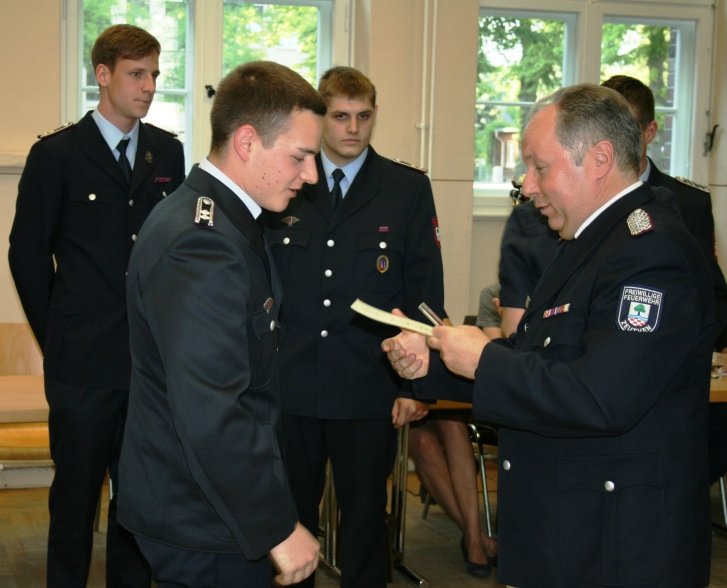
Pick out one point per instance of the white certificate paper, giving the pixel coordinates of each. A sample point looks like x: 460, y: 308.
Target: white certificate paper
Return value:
x: 388, y: 318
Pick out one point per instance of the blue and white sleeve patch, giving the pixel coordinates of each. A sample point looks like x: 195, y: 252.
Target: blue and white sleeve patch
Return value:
x: 639, y: 309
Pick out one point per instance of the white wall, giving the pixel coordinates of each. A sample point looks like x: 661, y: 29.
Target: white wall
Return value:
x: 718, y: 158
x: 29, y: 104
x: 421, y: 56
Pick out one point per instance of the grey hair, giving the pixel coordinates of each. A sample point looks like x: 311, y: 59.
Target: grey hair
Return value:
x: 587, y: 114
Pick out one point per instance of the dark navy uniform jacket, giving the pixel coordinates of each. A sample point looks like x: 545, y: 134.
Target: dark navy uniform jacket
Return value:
x: 601, y: 398
x: 382, y: 246
x: 74, y: 229
x: 201, y: 461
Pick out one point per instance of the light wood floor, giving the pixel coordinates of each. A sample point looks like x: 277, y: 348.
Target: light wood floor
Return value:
x: 431, y: 547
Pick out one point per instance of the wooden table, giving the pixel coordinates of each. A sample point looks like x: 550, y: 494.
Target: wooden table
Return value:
x: 22, y: 399
x: 23, y: 422
x: 718, y: 389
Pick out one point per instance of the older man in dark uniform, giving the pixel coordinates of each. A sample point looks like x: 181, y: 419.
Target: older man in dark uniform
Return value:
x: 207, y: 494
x: 602, y: 395
x: 367, y: 229
x: 83, y: 196
x: 528, y: 244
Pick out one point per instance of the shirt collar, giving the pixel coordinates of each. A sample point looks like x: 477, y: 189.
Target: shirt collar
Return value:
x: 645, y: 176
x: 595, y: 215
x: 112, y: 135
x: 350, y: 170
x: 216, y: 172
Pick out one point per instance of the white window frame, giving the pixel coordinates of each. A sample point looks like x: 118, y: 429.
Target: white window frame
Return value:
x: 694, y: 19
x: 204, y: 65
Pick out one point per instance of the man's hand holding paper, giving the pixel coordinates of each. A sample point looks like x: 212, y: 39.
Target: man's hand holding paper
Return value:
x: 407, y: 352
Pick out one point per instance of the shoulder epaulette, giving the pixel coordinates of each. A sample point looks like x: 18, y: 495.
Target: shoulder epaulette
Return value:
x: 204, y: 214
x: 60, y: 129
x: 170, y: 133
x: 410, y: 166
x: 639, y: 222
x: 690, y: 183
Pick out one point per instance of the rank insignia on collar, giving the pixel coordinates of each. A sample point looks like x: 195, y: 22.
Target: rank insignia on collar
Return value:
x: 205, y: 213
x: 556, y: 310
x: 290, y: 220
x: 639, y: 309
x: 382, y: 264
x: 639, y: 222
x: 148, y: 157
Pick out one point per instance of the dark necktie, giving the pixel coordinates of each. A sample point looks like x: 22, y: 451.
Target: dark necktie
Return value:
x: 123, y: 160
x: 336, y: 192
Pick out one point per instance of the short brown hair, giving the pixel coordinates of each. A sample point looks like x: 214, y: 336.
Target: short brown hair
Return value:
x: 262, y: 94
x: 637, y: 94
x: 123, y: 41
x: 348, y: 82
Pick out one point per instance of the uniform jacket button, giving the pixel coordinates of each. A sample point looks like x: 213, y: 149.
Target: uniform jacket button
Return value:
x: 609, y: 486
x: 324, y: 333
x: 506, y: 465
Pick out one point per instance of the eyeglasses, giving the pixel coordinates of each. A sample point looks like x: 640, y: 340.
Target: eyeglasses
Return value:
x: 516, y: 193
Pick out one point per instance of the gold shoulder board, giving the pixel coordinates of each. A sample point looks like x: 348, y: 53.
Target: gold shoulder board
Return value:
x: 64, y: 127
x: 691, y: 184
x: 410, y: 166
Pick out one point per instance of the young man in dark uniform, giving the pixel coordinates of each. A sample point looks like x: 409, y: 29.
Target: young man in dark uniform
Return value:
x: 83, y: 196
x: 206, y: 492
x: 367, y: 229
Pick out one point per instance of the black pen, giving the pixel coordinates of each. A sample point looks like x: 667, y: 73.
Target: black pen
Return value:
x: 430, y: 314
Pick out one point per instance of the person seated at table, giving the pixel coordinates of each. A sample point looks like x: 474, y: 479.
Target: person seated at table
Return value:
x: 489, y: 314
x: 442, y: 453
x: 441, y: 450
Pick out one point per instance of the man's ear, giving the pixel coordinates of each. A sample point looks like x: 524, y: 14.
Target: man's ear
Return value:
x: 244, y: 141
x: 650, y: 131
x: 603, y: 156
x: 103, y: 75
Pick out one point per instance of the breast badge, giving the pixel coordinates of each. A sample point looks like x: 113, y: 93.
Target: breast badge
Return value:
x: 382, y: 264
x: 639, y: 309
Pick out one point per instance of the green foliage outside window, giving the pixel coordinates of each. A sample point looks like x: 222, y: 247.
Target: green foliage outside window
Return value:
x: 283, y: 33
x: 521, y: 60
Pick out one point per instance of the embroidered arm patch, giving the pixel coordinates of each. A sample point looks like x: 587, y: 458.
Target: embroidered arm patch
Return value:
x: 639, y: 309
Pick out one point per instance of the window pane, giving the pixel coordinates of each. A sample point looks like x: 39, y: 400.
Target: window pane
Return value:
x: 287, y: 34
x: 647, y: 53
x: 520, y: 59
x: 167, y: 20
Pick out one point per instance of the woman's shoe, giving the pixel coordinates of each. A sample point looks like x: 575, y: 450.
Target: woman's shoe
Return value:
x: 474, y: 569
